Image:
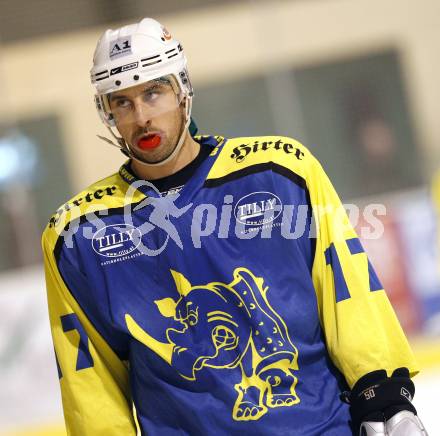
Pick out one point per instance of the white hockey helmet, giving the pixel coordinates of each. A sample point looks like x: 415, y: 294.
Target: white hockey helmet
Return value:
x: 135, y: 54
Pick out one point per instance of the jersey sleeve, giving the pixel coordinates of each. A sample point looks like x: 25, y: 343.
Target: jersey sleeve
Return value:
x: 361, y: 329
x: 94, y: 380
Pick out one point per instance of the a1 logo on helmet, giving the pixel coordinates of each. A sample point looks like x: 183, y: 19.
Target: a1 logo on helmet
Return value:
x: 120, y: 47
x: 166, y: 36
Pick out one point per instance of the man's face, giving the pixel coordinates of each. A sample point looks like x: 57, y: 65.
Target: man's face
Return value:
x: 149, y: 117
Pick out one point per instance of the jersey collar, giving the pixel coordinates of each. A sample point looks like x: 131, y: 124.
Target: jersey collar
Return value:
x: 129, y: 177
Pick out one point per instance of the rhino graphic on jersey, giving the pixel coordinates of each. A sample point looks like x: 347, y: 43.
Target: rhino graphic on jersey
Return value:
x: 225, y: 326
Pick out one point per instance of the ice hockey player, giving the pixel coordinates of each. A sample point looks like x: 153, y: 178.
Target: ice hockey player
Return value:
x: 213, y: 285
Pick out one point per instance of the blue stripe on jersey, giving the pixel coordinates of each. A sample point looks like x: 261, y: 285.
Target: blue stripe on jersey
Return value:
x: 332, y: 259
x: 355, y: 247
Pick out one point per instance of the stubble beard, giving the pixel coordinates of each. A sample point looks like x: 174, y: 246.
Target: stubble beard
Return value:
x: 165, y: 149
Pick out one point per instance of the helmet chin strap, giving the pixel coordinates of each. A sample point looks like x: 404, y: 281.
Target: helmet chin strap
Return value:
x: 125, y: 149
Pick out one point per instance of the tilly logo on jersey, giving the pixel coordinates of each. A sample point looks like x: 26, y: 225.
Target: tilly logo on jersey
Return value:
x: 116, y: 240
x: 258, y: 208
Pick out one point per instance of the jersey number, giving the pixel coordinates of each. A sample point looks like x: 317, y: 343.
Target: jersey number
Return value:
x: 71, y: 322
x: 332, y: 259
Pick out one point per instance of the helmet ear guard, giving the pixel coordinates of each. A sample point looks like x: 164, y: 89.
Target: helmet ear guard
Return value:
x: 103, y: 108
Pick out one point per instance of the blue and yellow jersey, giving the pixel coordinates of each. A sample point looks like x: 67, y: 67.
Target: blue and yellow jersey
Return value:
x: 242, y: 304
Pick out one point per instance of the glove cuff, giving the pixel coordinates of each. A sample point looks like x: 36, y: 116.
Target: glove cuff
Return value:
x: 376, y: 397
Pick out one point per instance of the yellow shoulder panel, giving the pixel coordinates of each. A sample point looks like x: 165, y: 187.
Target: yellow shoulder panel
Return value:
x: 240, y: 153
x: 109, y: 193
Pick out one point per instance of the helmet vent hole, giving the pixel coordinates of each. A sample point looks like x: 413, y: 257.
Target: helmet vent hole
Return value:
x: 118, y: 82
x: 136, y: 77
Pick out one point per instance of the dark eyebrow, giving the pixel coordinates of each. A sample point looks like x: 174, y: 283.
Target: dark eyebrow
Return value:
x: 154, y: 86
x: 117, y: 97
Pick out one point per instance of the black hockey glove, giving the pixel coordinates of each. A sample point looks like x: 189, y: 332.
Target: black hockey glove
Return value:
x: 376, y: 398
